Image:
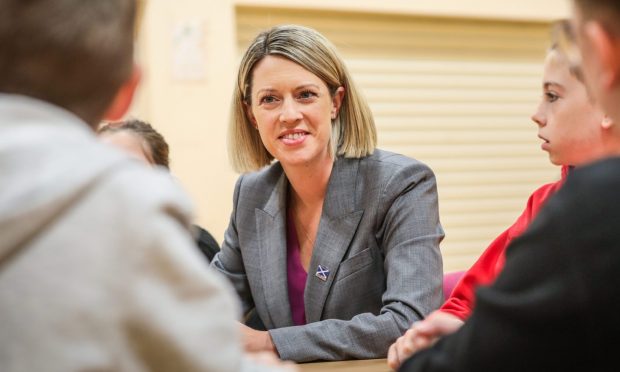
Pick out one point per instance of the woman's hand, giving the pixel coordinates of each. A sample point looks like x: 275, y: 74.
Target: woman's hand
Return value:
x: 255, y: 341
x: 422, y: 335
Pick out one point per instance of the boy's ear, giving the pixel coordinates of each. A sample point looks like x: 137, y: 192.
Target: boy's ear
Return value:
x: 122, y: 101
x: 607, y: 122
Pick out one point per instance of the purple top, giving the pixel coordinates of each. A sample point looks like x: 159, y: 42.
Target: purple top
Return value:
x: 295, y: 273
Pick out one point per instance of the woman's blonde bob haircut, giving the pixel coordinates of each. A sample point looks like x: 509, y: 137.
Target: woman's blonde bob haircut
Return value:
x: 353, y: 130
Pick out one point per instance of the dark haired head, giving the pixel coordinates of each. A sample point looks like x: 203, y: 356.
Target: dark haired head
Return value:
x: 75, y: 54
x: 156, y: 150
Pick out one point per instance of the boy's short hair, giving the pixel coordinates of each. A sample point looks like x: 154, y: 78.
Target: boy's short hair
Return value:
x: 72, y: 53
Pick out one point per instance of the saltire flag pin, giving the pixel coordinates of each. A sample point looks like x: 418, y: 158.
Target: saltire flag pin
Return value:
x: 322, y: 273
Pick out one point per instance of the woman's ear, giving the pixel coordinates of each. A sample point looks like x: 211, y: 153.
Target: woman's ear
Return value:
x: 250, y: 114
x: 124, y: 96
x: 337, y: 101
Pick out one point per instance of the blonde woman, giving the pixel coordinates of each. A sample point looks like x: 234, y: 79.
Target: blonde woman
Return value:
x: 334, y: 243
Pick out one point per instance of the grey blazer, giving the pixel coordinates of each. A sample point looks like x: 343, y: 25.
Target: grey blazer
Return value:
x: 379, y: 238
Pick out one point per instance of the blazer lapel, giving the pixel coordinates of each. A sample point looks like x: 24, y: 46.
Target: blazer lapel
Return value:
x: 271, y: 227
x: 339, y: 221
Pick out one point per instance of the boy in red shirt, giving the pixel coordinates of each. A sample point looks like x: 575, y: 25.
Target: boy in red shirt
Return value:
x: 574, y: 132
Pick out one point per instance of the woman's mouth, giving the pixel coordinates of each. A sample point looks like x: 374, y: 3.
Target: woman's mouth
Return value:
x: 293, y: 138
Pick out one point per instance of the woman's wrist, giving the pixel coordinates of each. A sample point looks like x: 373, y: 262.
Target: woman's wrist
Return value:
x: 269, y: 345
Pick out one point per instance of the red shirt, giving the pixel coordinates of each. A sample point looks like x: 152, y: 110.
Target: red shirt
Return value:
x: 491, y: 262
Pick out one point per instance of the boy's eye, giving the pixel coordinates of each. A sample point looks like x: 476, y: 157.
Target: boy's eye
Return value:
x: 551, y: 97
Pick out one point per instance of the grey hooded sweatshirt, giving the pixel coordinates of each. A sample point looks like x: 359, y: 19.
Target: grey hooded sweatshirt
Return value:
x: 97, y: 268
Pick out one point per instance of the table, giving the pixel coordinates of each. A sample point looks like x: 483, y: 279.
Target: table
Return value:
x: 370, y: 365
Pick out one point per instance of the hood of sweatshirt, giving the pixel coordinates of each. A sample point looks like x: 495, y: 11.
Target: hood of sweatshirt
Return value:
x: 48, y: 159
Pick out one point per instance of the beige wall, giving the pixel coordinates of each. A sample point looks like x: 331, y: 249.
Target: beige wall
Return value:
x: 533, y: 10
x: 192, y: 113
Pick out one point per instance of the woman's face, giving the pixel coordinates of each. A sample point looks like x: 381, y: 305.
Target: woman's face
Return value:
x: 568, y: 122
x: 128, y: 142
x: 292, y: 109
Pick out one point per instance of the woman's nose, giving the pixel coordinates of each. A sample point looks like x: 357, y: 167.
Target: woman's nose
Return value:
x: 290, y: 112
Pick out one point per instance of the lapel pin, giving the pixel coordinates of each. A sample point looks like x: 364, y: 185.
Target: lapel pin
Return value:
x: 322, y: 273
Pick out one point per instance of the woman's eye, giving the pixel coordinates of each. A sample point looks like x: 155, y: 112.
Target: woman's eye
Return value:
x: 267, y: 99
x: 306, y: 94
x: 551, y: 97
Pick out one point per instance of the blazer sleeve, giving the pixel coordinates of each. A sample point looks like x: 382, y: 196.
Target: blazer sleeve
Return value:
x: 408, y: 232
x: 229, y: 262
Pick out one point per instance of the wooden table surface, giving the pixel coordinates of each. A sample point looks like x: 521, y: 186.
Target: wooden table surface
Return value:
x: 370, y: 365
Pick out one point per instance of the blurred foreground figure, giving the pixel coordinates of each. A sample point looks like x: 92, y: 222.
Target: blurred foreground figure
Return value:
x: 97, y: 268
